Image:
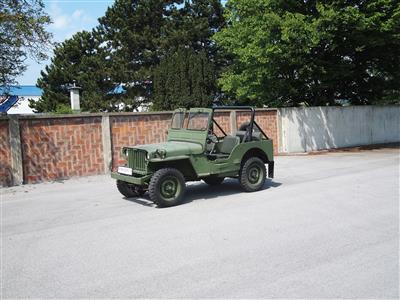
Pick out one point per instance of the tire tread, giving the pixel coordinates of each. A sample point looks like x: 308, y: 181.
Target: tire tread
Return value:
x: 245, y: 184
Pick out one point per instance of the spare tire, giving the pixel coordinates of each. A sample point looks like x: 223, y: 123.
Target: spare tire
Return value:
x: 243, y: 127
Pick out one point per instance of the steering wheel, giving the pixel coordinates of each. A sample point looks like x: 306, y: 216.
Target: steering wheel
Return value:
x: 212, y: 138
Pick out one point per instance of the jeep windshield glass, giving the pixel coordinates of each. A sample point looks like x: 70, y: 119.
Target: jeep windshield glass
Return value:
x: 177, y: 120
x: 198, y: 120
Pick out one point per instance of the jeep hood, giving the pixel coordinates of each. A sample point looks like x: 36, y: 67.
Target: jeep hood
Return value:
x: 172, y: 148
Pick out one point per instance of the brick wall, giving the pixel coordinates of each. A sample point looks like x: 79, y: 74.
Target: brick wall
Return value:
x: 58, y: 148
x: 5, y: 155
x: 223, y: 120
x: 137, y: 130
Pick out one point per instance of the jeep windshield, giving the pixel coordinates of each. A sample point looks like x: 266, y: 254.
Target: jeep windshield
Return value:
x: 198, y: 120
x: 194, y: 120
x: 178, y: 120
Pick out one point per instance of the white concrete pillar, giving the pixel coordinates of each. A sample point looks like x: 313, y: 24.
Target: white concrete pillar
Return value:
x: 74, y: 96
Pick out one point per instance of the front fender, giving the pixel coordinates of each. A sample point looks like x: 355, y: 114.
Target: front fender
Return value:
x: 181, y: 163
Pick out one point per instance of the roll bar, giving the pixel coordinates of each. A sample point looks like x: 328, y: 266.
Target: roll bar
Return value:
x: 249, y: 130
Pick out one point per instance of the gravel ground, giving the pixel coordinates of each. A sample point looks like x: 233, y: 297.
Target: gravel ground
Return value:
x: 327, y: 226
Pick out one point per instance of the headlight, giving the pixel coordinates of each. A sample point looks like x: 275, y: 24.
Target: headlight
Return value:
x: 161, y: 153
x: 124, y: 152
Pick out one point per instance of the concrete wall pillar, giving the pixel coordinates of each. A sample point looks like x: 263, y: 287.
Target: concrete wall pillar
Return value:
x: 17, y: 169
x: 107, y: 145
x: 233, y: 122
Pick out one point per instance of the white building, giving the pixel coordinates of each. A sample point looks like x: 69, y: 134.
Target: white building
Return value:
x: 24, y: 93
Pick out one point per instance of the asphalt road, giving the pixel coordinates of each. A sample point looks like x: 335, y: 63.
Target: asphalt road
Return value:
x: 326, y: 227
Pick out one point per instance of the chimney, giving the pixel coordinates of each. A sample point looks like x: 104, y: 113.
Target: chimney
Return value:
x: 74, y: 96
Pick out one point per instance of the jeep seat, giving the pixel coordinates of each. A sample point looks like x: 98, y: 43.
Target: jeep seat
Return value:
x: 256, y: 136
x: 225, y: 148
x: 228, y: 144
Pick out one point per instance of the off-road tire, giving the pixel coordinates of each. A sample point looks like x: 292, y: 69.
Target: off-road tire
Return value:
x: 213, y: 180
x: 127, y: 189
x: 167, y: 187
x: 252, y: 174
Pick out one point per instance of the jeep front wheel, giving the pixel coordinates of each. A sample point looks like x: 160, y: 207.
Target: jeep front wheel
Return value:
x: 252, y: 174
x: 129, y: 190
x: 167, y: 187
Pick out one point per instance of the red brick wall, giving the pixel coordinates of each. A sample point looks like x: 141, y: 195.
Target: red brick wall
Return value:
x: 57, y: 148
x: 266, y: 119
x: 135, y: 130
x: 5, y: 155
x: 223, y: 120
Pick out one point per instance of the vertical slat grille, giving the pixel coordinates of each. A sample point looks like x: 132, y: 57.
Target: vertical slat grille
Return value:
x: 137, y: 160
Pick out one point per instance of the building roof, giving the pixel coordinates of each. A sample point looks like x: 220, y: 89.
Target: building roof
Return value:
x: 23, y: 90
x: 119, y: 89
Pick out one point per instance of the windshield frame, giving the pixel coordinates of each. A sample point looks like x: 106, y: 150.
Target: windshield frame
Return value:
x: 182, y: 123
x: 194, y: 113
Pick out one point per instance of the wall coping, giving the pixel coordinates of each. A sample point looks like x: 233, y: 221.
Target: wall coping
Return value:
x: 93, y: 115
x: 117, y: 114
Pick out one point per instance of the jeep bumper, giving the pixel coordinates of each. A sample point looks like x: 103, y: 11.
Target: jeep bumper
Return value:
x: 271, y: 169
x: 131, y: 179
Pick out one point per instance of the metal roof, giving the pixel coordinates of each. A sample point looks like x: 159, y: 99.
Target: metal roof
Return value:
x: 23, y: 90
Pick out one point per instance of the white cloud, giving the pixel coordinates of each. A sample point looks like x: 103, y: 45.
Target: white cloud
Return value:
x: 60, y: 22
x: 65, y: 25
x: 77, y: 13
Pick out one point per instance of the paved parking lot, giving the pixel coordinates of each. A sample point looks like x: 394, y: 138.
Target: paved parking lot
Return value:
x: 326, y: 227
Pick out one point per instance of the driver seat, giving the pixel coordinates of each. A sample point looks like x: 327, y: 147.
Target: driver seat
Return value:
x: 225, y: 148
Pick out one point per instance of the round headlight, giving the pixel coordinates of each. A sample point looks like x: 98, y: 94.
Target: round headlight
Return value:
x: 161, y: 153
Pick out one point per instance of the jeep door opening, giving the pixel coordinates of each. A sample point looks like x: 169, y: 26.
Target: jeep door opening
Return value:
x: 193, y: 151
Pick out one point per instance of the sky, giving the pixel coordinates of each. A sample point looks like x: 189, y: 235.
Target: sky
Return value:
x: 69, y: 17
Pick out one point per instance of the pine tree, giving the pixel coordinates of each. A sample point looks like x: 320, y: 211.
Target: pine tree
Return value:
x: 126, y: 49
x: 185, y: 78
x: 80, y: 59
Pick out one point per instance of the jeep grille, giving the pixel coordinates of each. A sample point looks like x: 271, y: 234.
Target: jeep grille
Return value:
x: 137, y: 160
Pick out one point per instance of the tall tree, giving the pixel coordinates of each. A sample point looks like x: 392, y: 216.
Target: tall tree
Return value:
x: 185, y: 78
x: 22, y: 35
x: 140, y: 34
x: 134, y: 33
x: 126, y: 49
x: 81, y: 59
x: 292, y: 52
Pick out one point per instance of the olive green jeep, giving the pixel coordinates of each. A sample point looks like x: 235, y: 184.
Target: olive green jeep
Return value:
x: 197, y: 148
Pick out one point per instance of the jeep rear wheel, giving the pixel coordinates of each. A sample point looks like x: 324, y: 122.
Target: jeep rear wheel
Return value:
x: 167, y: 187
x: 213, y: 180
x: 129, y: 190
x: 252, y: 174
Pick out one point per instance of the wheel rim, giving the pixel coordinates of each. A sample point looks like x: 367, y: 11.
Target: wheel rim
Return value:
x: 169, y: 188
x: 254, y: 174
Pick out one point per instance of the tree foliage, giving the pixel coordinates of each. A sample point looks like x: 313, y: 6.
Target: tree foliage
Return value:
x: 80, y: 59
x: 185, y: 78
x: 132, y: 38
x: 22, y: 35
x: 313, y: 52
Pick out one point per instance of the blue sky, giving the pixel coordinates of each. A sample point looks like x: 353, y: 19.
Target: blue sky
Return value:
x: 69, y: 17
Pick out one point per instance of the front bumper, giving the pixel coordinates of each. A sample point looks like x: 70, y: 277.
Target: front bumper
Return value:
x: 135, y: 180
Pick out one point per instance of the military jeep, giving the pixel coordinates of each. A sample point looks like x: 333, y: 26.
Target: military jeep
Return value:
x: 197, y: 148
